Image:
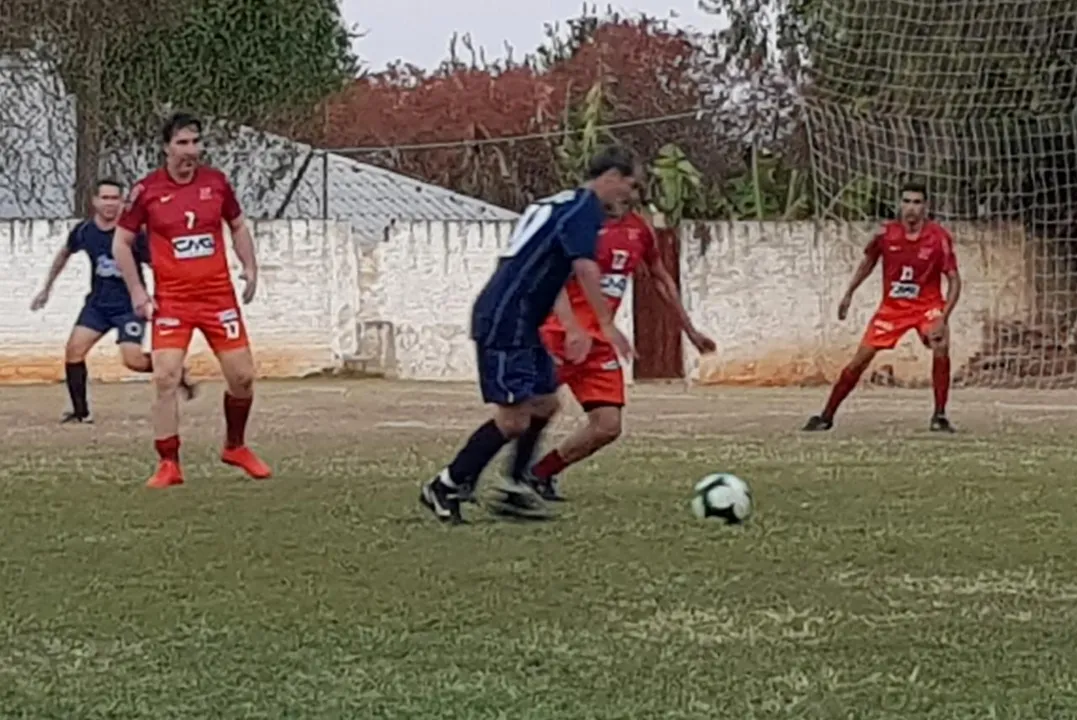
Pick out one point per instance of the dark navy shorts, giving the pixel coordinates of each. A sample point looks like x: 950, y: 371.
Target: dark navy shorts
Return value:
x: 129, y: 327
x: 510, y: 376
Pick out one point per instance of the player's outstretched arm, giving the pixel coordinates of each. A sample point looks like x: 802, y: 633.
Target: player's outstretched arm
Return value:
x: 667, y: 290
x: 863, y: 272
x: 953, y: 278
x: 577, y: 341
x: 243, y: 243
x: 123, y: 251
x: 57, y: 267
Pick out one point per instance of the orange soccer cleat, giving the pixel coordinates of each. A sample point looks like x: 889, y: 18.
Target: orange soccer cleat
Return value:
x: 168, y: 474
x: 244, y: 458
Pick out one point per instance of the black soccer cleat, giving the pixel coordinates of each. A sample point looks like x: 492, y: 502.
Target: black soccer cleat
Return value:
x: 818, y: 423
x: 939, y: 423
x: 72, y: 417
x: 545, y: 488
x: 441, y: 500
x: 519, y: 500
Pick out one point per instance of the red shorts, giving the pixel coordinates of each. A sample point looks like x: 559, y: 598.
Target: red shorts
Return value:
x: 217, y: 318
x: 597, y: 381
x: 890, y: 324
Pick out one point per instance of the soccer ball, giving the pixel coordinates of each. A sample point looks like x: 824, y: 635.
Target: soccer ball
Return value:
x: 722, y: 496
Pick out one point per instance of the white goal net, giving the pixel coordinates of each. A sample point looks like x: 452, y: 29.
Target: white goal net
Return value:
x: 977, y: 98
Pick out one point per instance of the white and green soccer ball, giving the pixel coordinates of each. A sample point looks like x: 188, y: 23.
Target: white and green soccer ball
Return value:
x: 722, y: 496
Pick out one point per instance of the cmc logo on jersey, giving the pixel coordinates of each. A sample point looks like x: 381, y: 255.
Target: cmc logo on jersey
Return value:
x: 189, y: 247
x: 614, y: 285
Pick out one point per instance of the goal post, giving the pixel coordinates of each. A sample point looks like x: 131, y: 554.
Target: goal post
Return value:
x: 977, y: 99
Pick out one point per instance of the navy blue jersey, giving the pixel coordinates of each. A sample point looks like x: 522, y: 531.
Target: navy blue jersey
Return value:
x: 549, y: 236
x: 107, y: 289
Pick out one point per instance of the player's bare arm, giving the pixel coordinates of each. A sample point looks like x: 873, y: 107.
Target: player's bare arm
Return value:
x: 667, y: 290
x: 577, y: 341
x: 589, y: 276
x: 58, y: 264
x: 863, y: 272
x: 243, y: 242
x: 953, y: 293
x: 123, y: 251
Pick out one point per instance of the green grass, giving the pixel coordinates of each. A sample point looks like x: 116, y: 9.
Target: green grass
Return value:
x: 889, y: 573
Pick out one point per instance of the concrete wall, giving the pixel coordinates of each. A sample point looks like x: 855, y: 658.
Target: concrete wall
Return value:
x: 302, y: 319
x: 767, y: 292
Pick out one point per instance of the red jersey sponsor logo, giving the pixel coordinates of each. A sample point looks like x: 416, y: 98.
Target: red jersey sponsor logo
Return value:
x: 185, y: 226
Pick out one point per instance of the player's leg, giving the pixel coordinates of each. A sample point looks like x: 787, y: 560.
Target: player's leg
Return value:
x: 601, y: 393
x: 129, y: 331
x: 169, y: 354
x: 226, y: 335
x: 525, y: 445
x: 88, y: 330
x: 509, y: 379
x: 883, y: 333
x: 940, y: 377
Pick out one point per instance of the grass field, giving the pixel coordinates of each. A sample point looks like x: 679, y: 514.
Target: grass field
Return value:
x: 889, y: 573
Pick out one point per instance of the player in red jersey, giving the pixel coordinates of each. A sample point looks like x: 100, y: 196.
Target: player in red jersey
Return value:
x: 184, y: 206
x: 916, y: 254
x: 587, y: 362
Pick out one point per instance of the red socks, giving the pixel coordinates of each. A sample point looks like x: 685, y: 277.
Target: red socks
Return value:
x: 940, y: 382
x: 549, y: 465
x: 168, y: 448
x: 846, y: 382
x: 236, y: 412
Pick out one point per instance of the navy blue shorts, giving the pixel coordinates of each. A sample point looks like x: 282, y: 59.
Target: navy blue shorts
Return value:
x: 129, y: 327
x: 510, y: 376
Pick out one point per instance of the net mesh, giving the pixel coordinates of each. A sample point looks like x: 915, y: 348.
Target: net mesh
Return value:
x: 979, y: 100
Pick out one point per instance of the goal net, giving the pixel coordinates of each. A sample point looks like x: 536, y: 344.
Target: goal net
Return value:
x: 978, y: 99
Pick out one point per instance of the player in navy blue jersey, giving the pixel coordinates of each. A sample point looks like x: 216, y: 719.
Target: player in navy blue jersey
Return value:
x: 108, y: 304
x: 554, y: 239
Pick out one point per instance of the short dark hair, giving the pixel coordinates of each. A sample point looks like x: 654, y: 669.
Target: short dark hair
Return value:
x: 179, y: 121
x: 107, y: 182
x: 613, y: 157
x: 914, y: 186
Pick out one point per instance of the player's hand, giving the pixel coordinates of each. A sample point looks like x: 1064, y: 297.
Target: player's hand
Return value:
x: 250, y: 278
x: 577, y: 345
x: 143, y: 304
x: 843, y: 306
x: 39, y: 300
x: 619, y: 341
x: 701, y: 342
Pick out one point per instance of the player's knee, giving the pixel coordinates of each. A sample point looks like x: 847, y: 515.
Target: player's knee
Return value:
x: 605, y: 424
x: 134, y: 359
x: 513, y: 420
x: 166, y: 380
x: 545, y: 406
x: 74, y: 353
x: 241, y: 382
x: 940, y: 348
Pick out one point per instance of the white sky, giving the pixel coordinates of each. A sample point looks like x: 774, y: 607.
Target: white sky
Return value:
x: 418, y: 31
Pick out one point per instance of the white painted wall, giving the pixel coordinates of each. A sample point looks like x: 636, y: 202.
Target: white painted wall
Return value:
x: 766, y: 292
x: 302, y: 319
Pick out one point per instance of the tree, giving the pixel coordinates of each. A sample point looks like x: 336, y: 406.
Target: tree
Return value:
x: 643, y: 66
x: 261, y: 62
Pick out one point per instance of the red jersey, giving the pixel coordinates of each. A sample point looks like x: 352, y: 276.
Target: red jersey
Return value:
x: 185, y: 226
x: 622, y: 243
x: 913, y: 267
